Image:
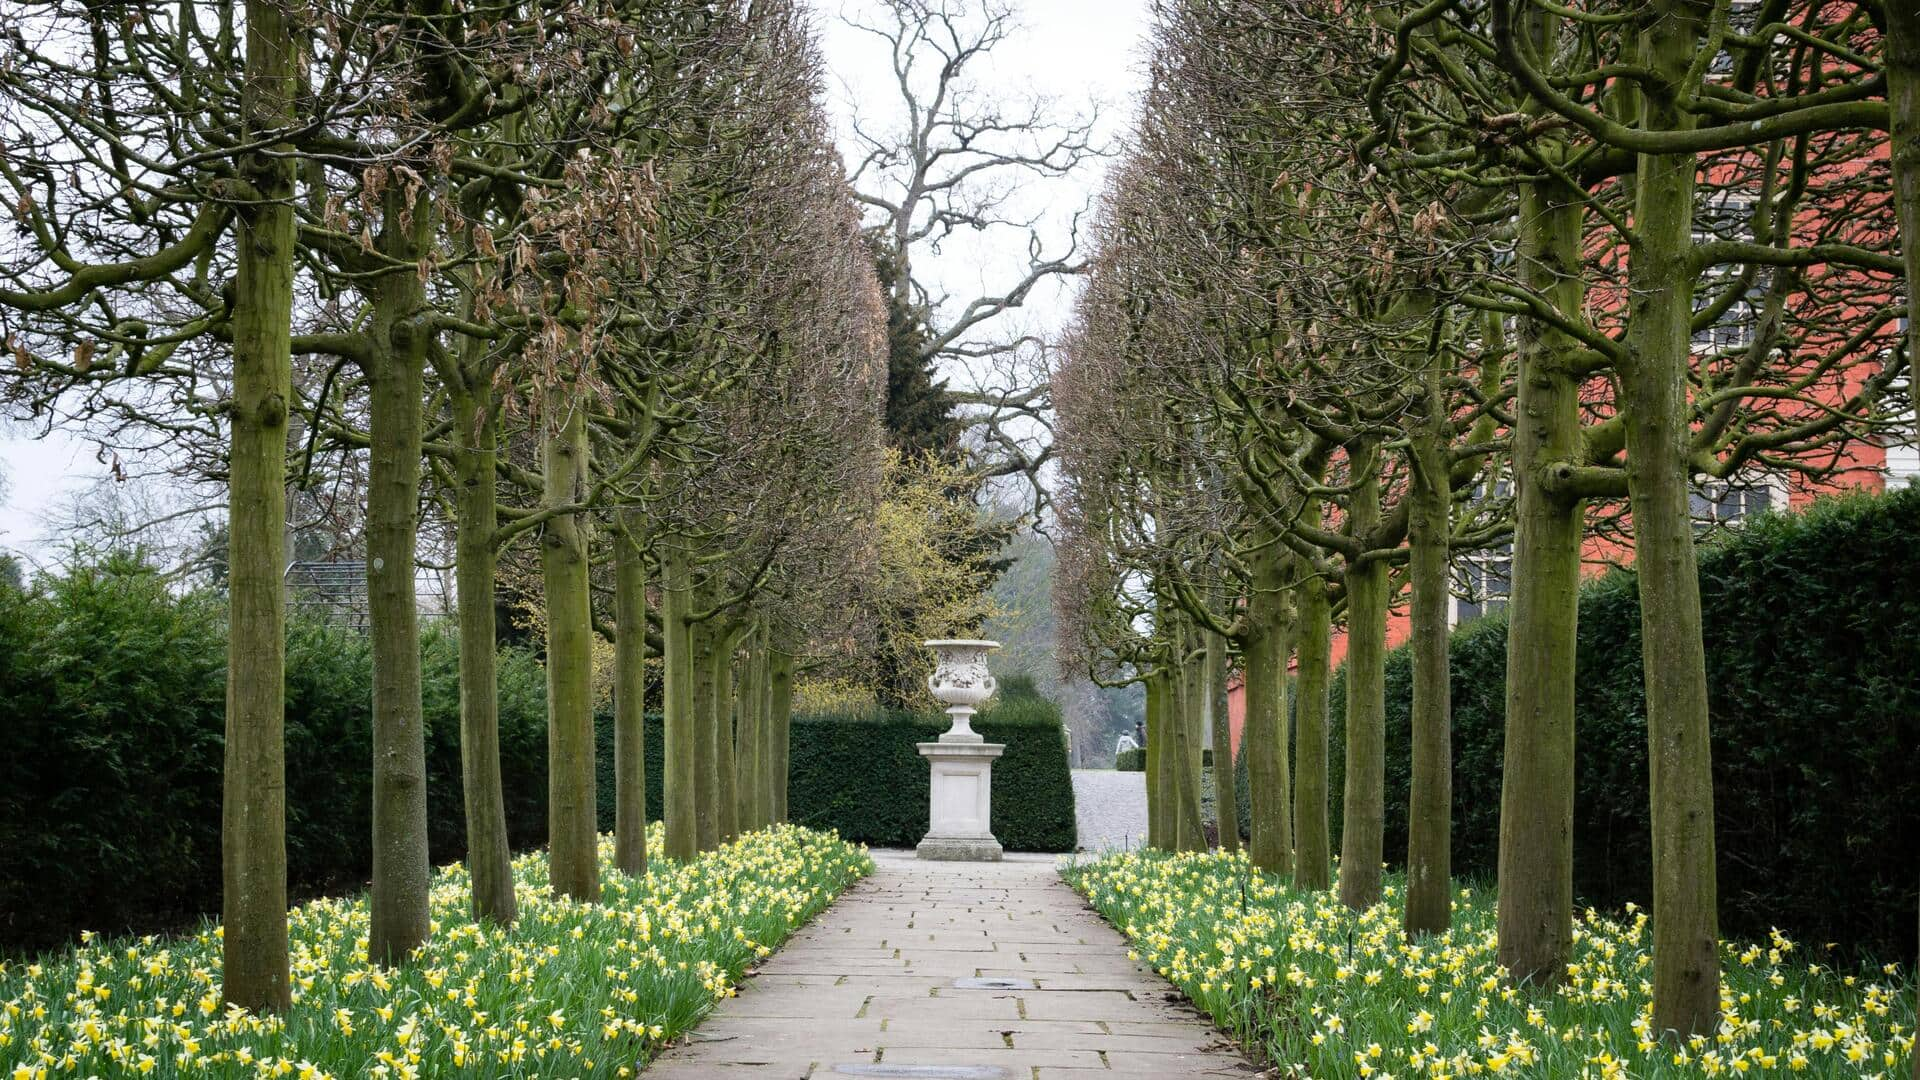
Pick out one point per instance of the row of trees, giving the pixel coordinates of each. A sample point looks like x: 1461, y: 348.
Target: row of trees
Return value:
x: 1381, y: 287
x: 578, y: 286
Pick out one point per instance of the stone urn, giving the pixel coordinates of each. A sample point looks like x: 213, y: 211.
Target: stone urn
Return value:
x: 962, y: 793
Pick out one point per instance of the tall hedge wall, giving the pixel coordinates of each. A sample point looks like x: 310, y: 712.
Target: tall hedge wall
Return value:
x: 1813, y: 661
x: 112, y: 707
x: 112, y: 698
x: 865, y: 776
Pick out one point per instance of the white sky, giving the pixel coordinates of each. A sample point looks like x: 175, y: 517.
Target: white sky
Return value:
x: 1075, y: 52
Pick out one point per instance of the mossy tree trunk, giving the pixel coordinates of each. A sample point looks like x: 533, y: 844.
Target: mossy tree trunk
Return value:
x: 1535, y: 895
x: 253, y: 815
x: 398, y: 918
x: 1429, y: 907
x: 680, y: 782
x: 630, y: 695
x: 780, y: 726
x: 1263, y: 734
x: 1226, y: 802
x: 1686, y: 959
x: 750, y: 781
x: 571, y: 815
x: 489, y: 856
x: 1313, y: 848
x: 706, y: 779
x: 1157, y: 795
x: 1903, y: 100
x: 763, y: 725
x: 1363, y: 806
x: 726, y: 809
x: 1183, y: 718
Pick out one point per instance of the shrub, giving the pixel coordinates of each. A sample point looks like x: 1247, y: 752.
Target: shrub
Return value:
x: 1134, y: 760
x: 1815, y: 698
x: 112, y: 692
x: 864, y: 775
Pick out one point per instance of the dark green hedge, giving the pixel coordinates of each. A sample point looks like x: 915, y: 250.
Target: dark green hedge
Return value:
x: 865, y: 777
x: 1134, y: 760
x: 1813, y: 661
x: 112, y: 699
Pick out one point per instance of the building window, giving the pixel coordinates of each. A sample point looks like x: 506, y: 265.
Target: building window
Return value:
x: 1903, y: 441
x: 1718, y: 503
x: 1482, y: 582
x: 1726, y: 215
x: 1743, y: 17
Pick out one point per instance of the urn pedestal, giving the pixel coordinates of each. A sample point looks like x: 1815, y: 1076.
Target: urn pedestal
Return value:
x: 960, y: 813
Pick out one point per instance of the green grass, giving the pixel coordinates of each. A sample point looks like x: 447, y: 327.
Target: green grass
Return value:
x: 569, y: 990
x: 1326, y: 992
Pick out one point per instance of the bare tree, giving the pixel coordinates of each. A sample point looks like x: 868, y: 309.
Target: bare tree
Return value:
x: 950, y: 158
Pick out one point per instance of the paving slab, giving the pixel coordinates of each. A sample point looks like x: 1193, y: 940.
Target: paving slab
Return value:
x: 954, y: 971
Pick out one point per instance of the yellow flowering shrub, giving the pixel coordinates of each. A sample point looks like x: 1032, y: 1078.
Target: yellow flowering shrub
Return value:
x: 569, y: 990
x: 1328, y: 992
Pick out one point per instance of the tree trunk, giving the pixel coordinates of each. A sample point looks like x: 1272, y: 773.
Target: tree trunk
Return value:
x: 706, y: 781
x: 1429, y: 907
x: 253, y: 814
x: 399, y: 919
x: 1157, y: 739
x: 726, y: 808
x: 1313, y: 848
x: 680, y: 782
x: 1686, y: 960
x: 1535, y: 894
x: 630, y: 696
x: 1225, y: 800
x: 1363, y: 807
x: 762, y: 684
x: 757, y: 701
x: 780, y: 724
x: 571, y: 817
x: 749, y: 738
x: 1263, y: 737
x: 1903, y: 102
x: 1190, y: 833
x: 489, y: 856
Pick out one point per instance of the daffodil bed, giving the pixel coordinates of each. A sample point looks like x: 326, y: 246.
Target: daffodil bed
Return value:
x: 1326, y: 992
x: 570, y: 990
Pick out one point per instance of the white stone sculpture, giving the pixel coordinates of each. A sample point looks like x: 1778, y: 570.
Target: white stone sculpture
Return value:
x: 961, y: 810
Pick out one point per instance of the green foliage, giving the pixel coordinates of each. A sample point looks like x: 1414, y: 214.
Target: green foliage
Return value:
x: 1816, y: 728
x: 919, y: 414
x: 112, y: 696
x: 1134, y: 760
x: 113, y: 690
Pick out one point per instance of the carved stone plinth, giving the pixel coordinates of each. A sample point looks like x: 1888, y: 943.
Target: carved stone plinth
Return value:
x: 962, y: 802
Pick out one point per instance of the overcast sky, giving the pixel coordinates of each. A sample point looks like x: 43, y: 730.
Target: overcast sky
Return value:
x: 1078, y: 53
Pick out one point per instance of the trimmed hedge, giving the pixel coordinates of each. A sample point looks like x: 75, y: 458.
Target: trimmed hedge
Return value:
x: 112, y: 705
x: 1813, y: 662
x: 112, y: 697
x: 1134, y: 760
x: 865, y: 777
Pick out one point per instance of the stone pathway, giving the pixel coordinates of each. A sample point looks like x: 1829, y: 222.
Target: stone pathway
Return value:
x: 1110, y: 809
x: 954, y: 971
